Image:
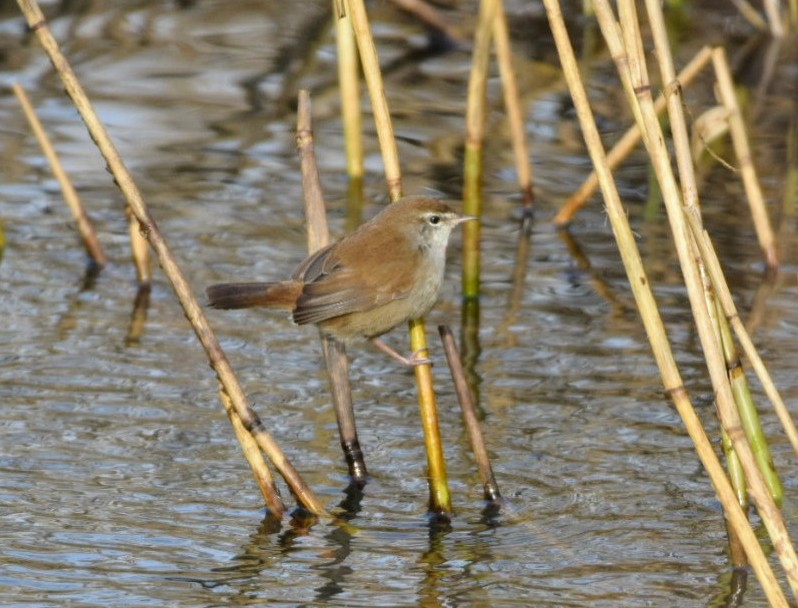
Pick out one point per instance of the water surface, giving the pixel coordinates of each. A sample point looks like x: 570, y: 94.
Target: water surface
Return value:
x: 120, y: 480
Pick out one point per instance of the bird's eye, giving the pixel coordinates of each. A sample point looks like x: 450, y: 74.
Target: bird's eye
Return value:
x: 434, y: 219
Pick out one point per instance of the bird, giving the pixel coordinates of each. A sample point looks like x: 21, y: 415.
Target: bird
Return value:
x: 387, y: 272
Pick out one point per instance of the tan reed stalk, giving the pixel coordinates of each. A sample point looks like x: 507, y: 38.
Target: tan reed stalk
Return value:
x: 333, y: 351
x: 350, y: 94
x: 689, y: 190
x: 751, y: 14
x: 263, y: 477
x: 713, y: 267
x: 650, y: 315
x: 379, y: 104
x: 773, y: 13
x: 139, y: 251
x: 82, y: 221
x: 149, y: 229
x: 628, y: 142
x: 440, y: 497
x: 490, y: 488
x: 515, y: 118
x: 474, y: 136
x: 742, y: 150
x: 728, y: 414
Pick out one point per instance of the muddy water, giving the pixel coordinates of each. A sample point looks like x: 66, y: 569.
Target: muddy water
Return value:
x: 120, y: 481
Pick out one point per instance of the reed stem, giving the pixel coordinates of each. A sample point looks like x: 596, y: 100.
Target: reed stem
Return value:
x: 474, y: 136
x: 440, y: 499
x: 149, y: 229
x: 82, y: 221
x: 490, y: 488
x: 647, y: 306
x: 333, y: 351
x: 742, y: 150
x: 350, y: 95
x: 379, y: 104
x: 515, y: 118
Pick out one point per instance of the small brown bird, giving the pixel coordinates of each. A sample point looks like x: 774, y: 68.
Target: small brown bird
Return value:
x: 386, y: 272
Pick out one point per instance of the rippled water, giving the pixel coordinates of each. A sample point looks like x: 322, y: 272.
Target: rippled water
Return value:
x: 120, y: 480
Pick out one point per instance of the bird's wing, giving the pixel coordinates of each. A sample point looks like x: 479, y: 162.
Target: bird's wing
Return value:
x: 334, y: 288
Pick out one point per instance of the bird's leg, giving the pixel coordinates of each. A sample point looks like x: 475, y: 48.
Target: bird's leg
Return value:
x: 410, y: 361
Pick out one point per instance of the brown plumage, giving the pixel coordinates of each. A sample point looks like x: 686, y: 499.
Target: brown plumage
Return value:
x: 386, y: 272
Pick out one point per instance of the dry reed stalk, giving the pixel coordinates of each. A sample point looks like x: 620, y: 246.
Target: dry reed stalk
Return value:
x: 515, y: 118
x: 440, y: 497
x: 490, y: 488
x: 348, y: 79
x: 727, y: 410
x: 139, y: 251
x: 82, y: 221
x: 649, y: 313
x: 773, y: 13
x: 751, y: 14
x: 334, y: 352
x: 149, y: 229
x: 742, y: 150
x: 474, y: 136
x: 252, y: 453
x: 628, y: 142
x: 715, y: 271
x: 681, y: 139
x: 379, y: 104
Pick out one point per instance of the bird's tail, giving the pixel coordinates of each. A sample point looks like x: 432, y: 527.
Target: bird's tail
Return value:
x: 248, y: 295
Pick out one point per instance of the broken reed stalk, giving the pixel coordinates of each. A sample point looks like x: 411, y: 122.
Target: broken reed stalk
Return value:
x: 515, y: 117
x: 348, y: 80
x: 252, y: 453
x: 139, y: 251
x: 334, y: 352
x: 742, y: 150
x: 726, y: 408
x: 440, y: 497
x: 82, y: 221
x: 689, y: 190
x: 490, y: 488
x: 474, y: 136
x: 652, y: 321
x: 627, y: 143
x: 149, y: 229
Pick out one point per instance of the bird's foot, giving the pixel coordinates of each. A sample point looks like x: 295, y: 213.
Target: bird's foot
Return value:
x: 412, y: 361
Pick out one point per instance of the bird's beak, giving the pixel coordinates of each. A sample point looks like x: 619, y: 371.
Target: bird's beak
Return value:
x: 465, y: 218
